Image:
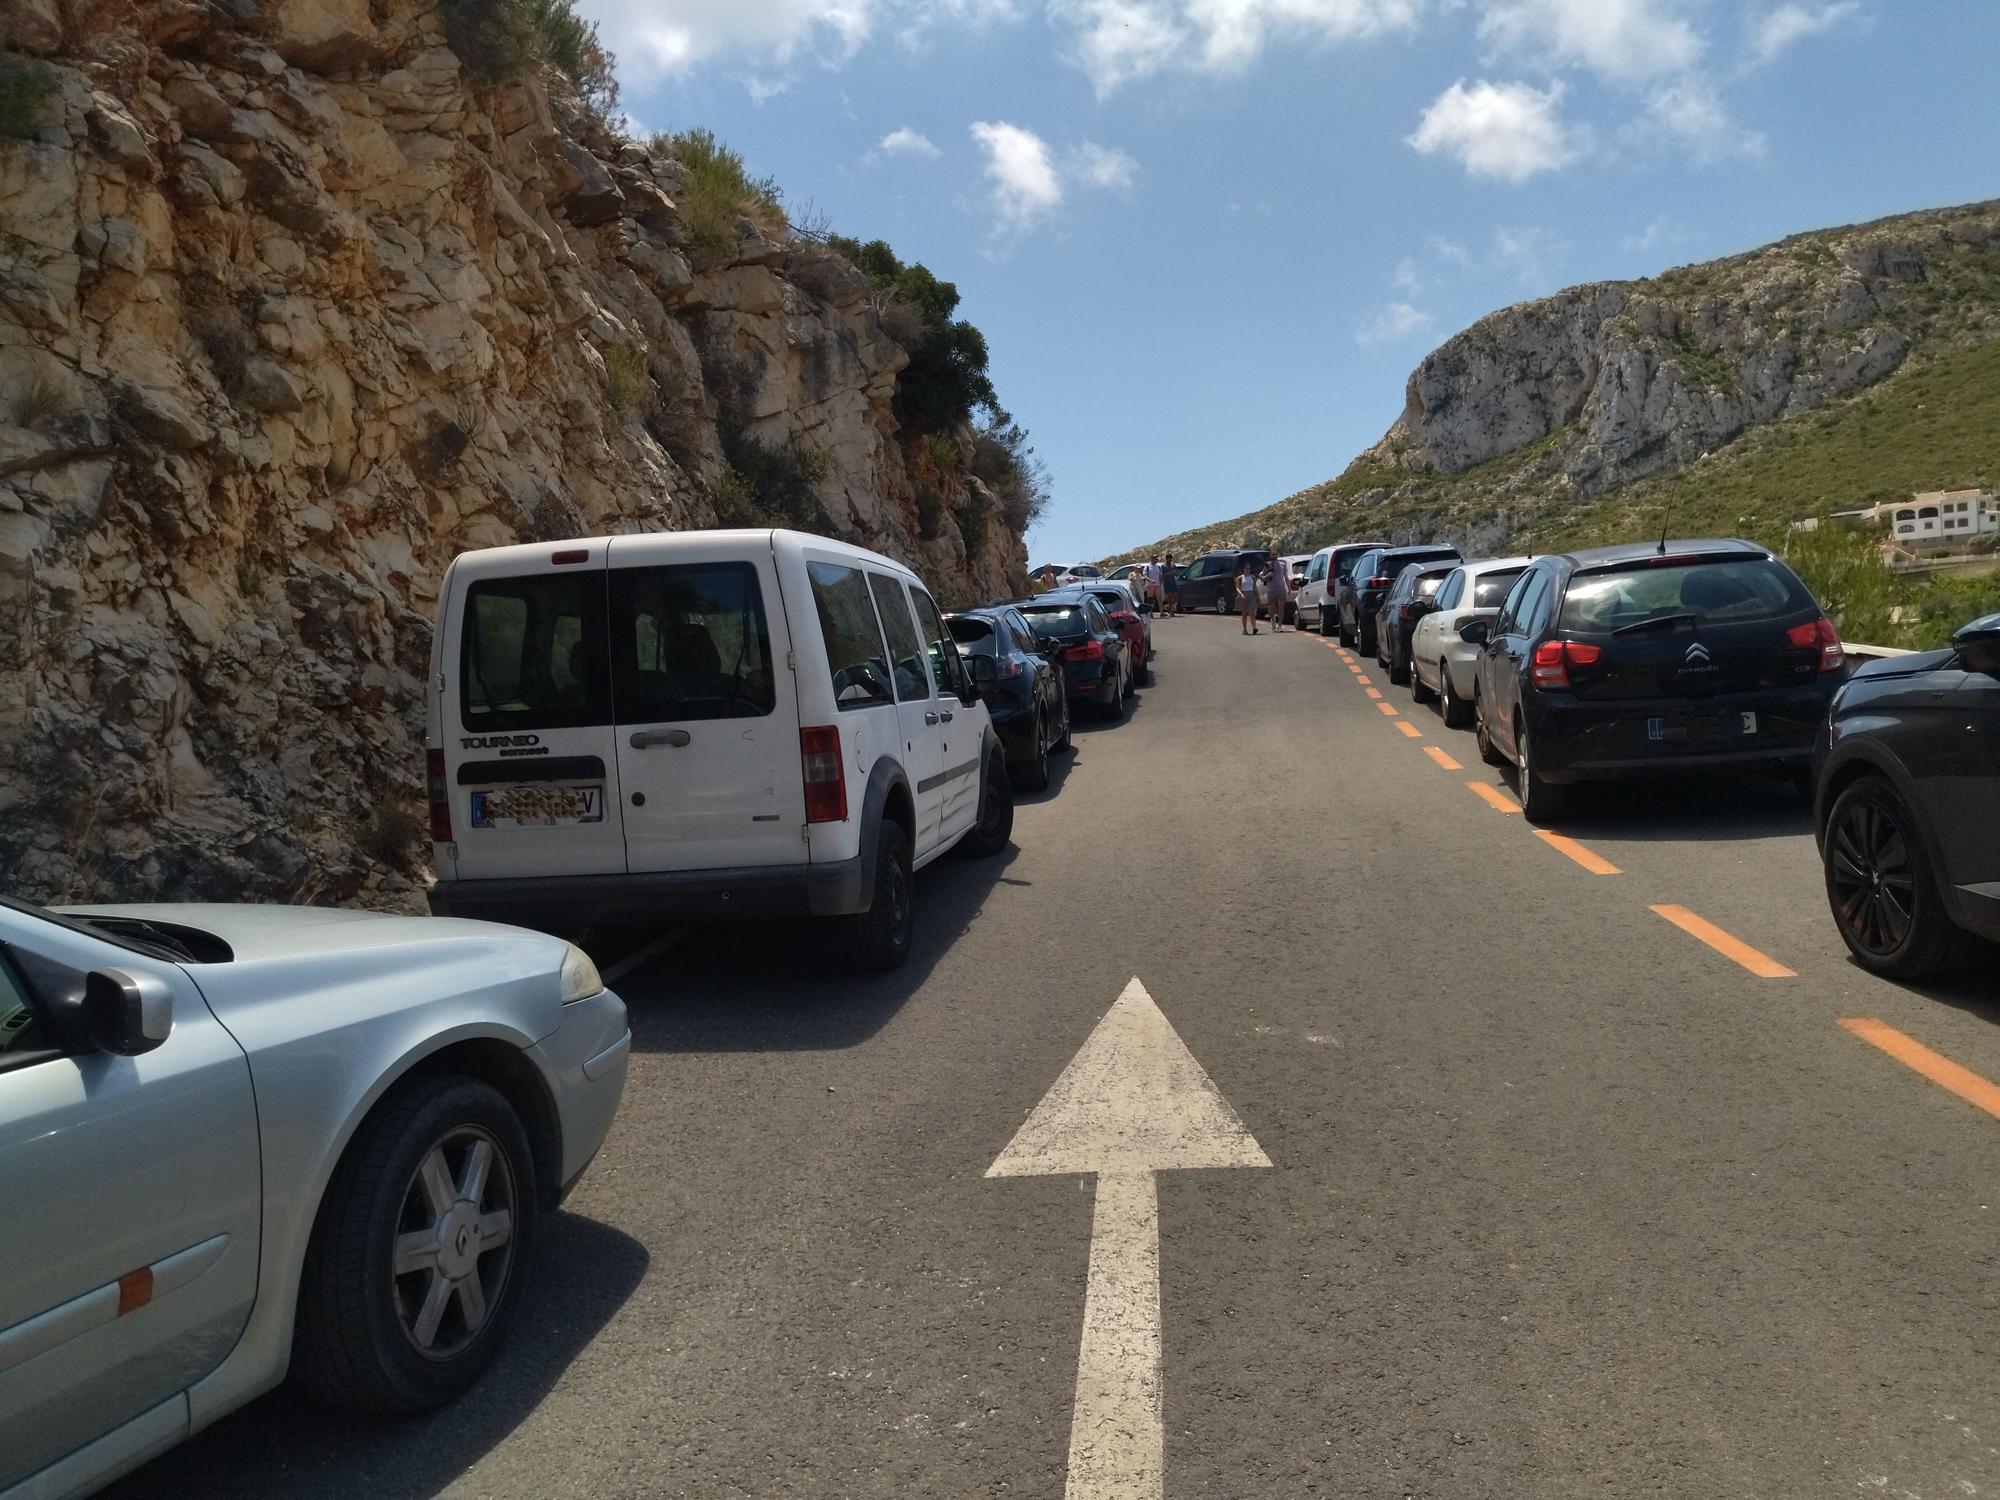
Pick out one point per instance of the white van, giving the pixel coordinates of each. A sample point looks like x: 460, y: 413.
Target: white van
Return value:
x: 697, y: 725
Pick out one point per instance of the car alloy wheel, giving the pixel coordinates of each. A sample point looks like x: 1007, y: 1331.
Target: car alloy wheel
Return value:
x: 1482, y: 732
x: 454, y: 1242
x: 1540, y: 801
x: 1885, y: 900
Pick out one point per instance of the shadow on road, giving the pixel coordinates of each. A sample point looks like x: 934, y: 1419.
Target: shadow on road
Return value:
x: 775, y: 987
x: 1971, y: 991
x: 288, y: 1444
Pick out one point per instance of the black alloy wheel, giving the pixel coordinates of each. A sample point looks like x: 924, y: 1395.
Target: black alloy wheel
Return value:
x: 1885, y: 900
x: 1032, y: 774
x: 1482, y: 732
x: 1454, y: 709
x: 1541, y: 801
x: 996, y: 812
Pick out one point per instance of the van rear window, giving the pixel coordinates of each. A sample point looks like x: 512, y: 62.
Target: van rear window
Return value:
x: 533, y: 653
x: 1733, y: 592
x: 689, y: 642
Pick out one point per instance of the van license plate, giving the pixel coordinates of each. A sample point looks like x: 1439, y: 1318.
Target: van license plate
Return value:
x: 538, y: 806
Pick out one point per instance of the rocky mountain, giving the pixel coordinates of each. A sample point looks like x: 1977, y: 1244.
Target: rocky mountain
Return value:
x: 292, y: 309
x: 1609, y: 406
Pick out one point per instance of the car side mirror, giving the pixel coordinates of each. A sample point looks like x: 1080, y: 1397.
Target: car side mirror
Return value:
x: 1979, y: 645
x: 127, y: 1013
x: 1475, y: 632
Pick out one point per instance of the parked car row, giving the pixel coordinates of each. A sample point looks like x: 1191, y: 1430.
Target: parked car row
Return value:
x: 1704, y: 656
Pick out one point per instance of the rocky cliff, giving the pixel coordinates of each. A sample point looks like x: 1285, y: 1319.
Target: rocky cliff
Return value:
x: 291, y: 311
x: 1537, y: 411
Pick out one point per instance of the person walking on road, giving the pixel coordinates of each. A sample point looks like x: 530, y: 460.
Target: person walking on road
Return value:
x: 1170, y: 586
x: 1276, y: 589
x: 1155, y: 582
x: 1246, y: 596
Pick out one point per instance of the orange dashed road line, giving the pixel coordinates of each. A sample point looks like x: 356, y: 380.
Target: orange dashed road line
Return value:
x: 1389, y: 709
x: 1939, y: 1069
x: 1436, y: 754
x: 1732, y: 948
x: 1375, y: 693
x: 1410, y: 729
x: 1493, y: 797
x: 1362, y: 677
x: 1597, y: 864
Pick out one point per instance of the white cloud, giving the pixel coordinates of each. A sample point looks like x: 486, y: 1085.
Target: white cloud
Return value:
x: 903, y: 141
x: 1527, y: 252
x: 672, y: 35
x: 1506, y: 130
x: 1104, y: 166
x: 1777, y: 30
x: 1392, y: 323
x: 1447, y: 249
x: 1694, y: 118
x: 1658, y: 235
x: 1407, y: 277
x: 1026, y: 187
x: 1619, y: 39
x: 1120, y: 41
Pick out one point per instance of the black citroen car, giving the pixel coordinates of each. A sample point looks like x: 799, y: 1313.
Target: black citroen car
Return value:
x: 1359, y: 597
x: 1410, y: 598
x: 1652, y: 657
x: 1025, y: 692
x: 1906, y: 804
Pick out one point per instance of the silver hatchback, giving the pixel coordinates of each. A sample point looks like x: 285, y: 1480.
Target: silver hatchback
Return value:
x: 237, y: 1140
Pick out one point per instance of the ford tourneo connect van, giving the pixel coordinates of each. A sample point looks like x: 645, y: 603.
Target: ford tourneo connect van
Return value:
x: 698, y: 725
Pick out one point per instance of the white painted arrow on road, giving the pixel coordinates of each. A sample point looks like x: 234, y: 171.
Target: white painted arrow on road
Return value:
x: 1131, y: 1103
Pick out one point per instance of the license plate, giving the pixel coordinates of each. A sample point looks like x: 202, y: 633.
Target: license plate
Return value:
x: 1749, y: 722
x: 539, y: 806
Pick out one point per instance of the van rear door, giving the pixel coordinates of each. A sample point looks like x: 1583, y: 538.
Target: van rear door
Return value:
x: 708, y: 712
x: 526, y: 721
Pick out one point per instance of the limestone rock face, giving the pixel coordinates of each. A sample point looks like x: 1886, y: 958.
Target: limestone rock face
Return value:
x: 290, y: 314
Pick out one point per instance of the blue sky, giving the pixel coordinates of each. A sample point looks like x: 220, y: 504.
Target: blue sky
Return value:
x: 1208, y: 239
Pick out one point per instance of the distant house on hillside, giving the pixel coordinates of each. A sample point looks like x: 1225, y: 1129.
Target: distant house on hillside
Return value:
x: 1942, y: 516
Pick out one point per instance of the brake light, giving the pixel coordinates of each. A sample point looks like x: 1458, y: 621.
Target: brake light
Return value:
x: 1007, y: 666
x: 1088, y: 651
x: 1379, y: 581
x: 825, y: 775
x: 1408, y: 611
x: 440, y: 794
x: 1553, y: 659
x: 1819, y: 633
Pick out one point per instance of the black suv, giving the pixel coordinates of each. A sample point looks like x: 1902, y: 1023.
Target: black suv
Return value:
x: 1906, y: 803
x: 1650, y: 657
x: 1209, y: 582
x: 1410, y: 598
x: 1359, y: 598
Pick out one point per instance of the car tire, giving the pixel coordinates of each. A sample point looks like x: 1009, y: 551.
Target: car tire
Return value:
x: 1115, y: 709
x: 1889, y: 910
x: 1456, y: 712
x: 1420, y: 691
x: 373, y: 1340
x: 1032, y: 774
x: 1326, y: 629
x: 1345, y: 632
x: 1482, y: 732
x: 878, y: 940
x: 1065, y: 742
x: 1541, y: 801
x: 996, y: 813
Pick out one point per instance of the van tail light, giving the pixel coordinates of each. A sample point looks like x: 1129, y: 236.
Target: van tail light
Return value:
x: 1820, y: 633
x: 1088, y: 651
x: 440, y: 795
x: 825, y: 775
x: 1553, y: 659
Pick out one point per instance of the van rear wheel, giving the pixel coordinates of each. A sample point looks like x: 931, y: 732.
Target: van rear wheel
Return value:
x: 878, y: 939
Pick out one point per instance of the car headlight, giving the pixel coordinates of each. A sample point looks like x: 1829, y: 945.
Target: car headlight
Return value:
x: 580, y: 979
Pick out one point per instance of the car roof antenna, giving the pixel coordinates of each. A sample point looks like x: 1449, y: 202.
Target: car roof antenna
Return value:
x: 1665, y: 521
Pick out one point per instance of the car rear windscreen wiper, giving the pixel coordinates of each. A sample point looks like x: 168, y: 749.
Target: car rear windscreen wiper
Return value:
x: 1658, y: 622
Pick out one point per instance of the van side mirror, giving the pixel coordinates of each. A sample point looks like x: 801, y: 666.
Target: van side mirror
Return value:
x: 1475, y: 632
x: 1979, y: 645
x: 127, y: 1013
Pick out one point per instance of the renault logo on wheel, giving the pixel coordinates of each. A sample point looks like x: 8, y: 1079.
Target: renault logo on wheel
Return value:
x: 1697, y: 655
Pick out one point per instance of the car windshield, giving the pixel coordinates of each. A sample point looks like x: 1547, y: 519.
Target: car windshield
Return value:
x: 1051, y: 620
x: 1488, y: 589
x: 1732, y: 591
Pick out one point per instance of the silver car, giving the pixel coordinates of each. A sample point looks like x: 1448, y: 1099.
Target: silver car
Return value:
x: 237, y: 1140
x: 1441, y: 665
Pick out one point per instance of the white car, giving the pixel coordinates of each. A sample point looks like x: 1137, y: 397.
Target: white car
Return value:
x: 1316, y: 606
x: 236, y: 1140
x: 702, y: 724
x: 1441, y: 664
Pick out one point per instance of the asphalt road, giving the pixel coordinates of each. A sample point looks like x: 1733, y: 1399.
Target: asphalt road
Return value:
x: 1563, y: 1201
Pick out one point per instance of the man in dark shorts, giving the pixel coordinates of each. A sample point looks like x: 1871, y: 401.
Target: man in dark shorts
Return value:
x: 1170, y: 586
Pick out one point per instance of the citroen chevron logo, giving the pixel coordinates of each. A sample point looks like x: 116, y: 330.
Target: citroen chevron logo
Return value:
x: 1697, y: 655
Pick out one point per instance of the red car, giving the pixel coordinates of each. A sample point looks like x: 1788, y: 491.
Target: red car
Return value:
x: 1134, y: 622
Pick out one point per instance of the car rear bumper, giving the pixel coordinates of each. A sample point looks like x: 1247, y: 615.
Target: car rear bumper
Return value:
x: 1579, y: 741
x: 837, y: 888
x: 1017, y: 733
